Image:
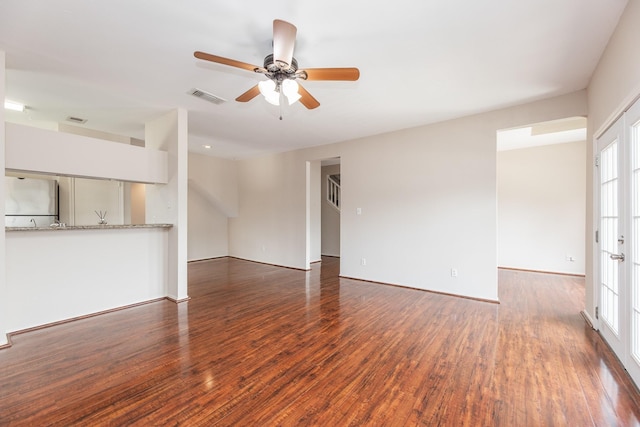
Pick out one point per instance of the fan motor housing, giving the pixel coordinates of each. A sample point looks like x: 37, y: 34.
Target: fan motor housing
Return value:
x: 272, y: 67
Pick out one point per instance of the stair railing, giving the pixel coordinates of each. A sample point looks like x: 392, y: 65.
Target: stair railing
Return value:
x: 333, y: 192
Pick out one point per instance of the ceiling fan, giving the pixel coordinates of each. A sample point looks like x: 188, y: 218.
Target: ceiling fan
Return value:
x: 282, y: 71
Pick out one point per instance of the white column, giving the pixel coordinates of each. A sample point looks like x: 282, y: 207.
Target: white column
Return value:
x: 167, y: 203
x: 3, y: 272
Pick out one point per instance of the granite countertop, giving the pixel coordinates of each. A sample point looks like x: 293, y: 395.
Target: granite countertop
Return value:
x: 89, y: 227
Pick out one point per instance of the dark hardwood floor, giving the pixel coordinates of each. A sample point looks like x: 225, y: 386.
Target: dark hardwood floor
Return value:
x: 259, y: 345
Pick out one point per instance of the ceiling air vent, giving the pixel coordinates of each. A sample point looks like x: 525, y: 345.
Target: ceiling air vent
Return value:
x: 207, y: 96
x: 76, y: 120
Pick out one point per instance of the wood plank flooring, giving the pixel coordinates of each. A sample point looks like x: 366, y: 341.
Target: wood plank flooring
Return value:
x: 259, y: 345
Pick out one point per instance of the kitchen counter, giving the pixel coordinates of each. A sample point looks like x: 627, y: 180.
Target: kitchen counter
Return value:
x: 89, y: 227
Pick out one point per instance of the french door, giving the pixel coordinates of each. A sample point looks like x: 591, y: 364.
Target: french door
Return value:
x: 618, y: 286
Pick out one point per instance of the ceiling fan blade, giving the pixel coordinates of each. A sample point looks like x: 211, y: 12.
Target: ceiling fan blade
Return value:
x: 347, y: 74
x: 307, y: 99
x: 225, y: 61
x: 284, y: 40
x: 249, y: 95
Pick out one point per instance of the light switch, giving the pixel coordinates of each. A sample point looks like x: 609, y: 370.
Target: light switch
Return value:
x: 358, y: 211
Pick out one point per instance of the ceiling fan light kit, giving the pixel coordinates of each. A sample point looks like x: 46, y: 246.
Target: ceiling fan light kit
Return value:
x: 268, y: 90
x: 272, y: 93
x: 290, y: 90
x: 281, y: 70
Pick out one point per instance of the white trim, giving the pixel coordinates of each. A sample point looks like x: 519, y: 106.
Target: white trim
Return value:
x: 595, y: 218
x: 618, y: 112
x: 589, y: 320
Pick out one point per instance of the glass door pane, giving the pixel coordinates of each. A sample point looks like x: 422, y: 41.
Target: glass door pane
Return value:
x: 609, y: 218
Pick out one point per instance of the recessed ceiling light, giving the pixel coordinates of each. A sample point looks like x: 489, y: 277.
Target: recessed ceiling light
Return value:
x: 14, y: 106
x: 207, y: 146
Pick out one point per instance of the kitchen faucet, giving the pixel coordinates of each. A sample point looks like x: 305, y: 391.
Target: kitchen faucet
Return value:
x: 34, y: 223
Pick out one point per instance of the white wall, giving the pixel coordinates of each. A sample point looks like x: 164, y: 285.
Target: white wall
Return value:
x: 76, y: 155
x: 4, y: 318
x: 330, y: 217
x: 613, y: 87
x: 213, y: 198
x: 271, y: 225
x: 58, y: 275
x: 541, y: 208
x: 433, y: 209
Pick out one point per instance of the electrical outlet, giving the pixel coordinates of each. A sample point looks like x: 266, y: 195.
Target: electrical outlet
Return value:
x: 454, y: 272
x: 363, y: 261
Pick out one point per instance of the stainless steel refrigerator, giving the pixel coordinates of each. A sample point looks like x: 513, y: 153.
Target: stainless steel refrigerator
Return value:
x: 30, y: 202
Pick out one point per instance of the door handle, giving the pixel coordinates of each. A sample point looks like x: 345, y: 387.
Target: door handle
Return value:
x: 617, y: 257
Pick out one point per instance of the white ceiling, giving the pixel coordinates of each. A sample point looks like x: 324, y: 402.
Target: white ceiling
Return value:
x: 119, y: 63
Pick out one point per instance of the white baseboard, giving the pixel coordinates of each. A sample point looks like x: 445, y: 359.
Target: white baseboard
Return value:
x: 589, y: 320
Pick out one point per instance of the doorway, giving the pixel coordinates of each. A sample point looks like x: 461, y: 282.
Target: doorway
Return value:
x: 331, y: 200
x: 541, y: 196
x: 324, y: 196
